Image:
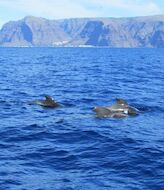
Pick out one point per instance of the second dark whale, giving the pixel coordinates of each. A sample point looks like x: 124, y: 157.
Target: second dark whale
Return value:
x: 122, y: 106
x: 104, y: 112
x: 120, y: 109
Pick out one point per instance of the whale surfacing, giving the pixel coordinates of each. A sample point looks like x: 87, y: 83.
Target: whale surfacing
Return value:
x: 122, y: 106
x: 120, y: 109
x: 104, y: 112
x: 47, y: 102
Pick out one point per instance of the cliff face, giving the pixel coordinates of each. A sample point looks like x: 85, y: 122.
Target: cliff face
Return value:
x: 110, y: 32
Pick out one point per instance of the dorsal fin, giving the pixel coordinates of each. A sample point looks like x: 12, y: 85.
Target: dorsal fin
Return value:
x: 48, y: 98
x: 121, y: 101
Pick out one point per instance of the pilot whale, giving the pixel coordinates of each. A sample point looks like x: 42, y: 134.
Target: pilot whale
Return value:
x: 120, y: 109
x: 122, y: 106
x: 104, y: 112
x: 47, y: 102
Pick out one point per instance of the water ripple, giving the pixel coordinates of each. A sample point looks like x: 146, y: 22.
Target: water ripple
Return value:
x: 69, y: 148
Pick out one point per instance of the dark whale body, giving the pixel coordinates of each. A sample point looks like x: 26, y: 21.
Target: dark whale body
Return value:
x: 122, y: 106
x: 120, y: 109
x: 48, y: 102
x: 105, y: 112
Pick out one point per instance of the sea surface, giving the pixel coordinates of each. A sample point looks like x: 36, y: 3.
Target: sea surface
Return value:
x: 69, y: 148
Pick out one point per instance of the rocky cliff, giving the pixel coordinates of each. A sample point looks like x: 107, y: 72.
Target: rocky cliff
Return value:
x: 110, y: 32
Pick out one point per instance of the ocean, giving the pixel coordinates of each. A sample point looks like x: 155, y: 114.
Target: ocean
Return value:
x: 69, y: 148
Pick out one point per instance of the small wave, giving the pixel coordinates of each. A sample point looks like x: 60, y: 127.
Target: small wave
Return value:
x: 68, y: 147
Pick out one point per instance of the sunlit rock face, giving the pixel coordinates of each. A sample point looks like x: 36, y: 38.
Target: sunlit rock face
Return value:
x: 104, y: 32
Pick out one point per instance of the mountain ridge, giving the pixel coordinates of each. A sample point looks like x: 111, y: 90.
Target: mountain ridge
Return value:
x: 127, y: 32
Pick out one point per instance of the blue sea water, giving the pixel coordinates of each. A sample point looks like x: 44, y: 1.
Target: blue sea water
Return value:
x: 68, y: 148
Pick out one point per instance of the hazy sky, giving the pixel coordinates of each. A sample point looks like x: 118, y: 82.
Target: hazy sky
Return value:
x: 56, y: 9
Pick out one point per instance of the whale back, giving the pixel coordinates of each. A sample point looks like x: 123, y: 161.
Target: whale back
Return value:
x: 49, y: 99
x: 102, y: 112
x: 105, y: 112
x: 131, y: 110
x: 120, y: 106
x: 49, y: 102
x: 120, y: 109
